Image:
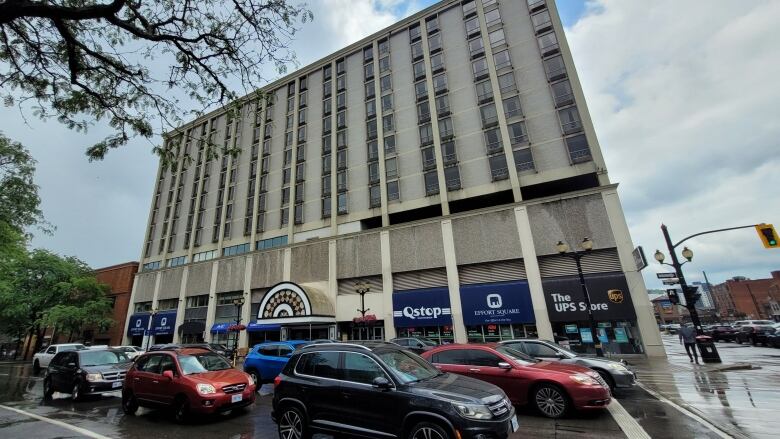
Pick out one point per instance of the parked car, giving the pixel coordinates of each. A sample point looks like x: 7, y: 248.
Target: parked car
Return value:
x: 554, y: 389
x: 86, y: 372
x: 266, y: 360
x: 673, y: 328
x: 614, y: 373
x: 43, y: 357
x: 721, y: 332
x: 130, y: 351
x: 740, y: 323
x: 213, y: 347
x: 753, y: 334
x: 773, y: 339
x: 378, y: 389
x: 98, y: 346
x: 415, y: 344
x: 189, y: 380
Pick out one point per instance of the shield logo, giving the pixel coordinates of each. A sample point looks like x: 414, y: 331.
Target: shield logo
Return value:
x: 164, y: 321
x: 494, y: 301
x: 138, y: 323
x: 615, y: 296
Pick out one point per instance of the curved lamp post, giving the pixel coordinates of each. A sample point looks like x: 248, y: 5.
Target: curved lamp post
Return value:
x: 587, y: 246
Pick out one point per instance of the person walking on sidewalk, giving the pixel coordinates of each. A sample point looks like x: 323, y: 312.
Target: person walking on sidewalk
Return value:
x: 688, y: 338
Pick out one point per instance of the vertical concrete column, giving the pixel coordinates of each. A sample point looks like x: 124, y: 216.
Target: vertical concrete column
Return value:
x: 246, y: 310
x: 387, y: 285
x: 543, y: 326
x: 453, y: 282
x: 155, y: 296
x: 130, y: 309
x: 212, y: 308
x: 287, y: 267
x: 333, y: 283
x: 645, y: 316
x: 182, y: 304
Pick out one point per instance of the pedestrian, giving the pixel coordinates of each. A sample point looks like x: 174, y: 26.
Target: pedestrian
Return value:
x: 687, y: 336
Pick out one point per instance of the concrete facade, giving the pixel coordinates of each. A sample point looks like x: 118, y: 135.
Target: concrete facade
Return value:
x: 449, y: 150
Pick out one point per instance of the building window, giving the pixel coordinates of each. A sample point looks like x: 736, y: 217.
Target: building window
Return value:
x: 327, y: 124
x: 517, y: 133
x: 446, y: 130
x: 375, y: 196
x: 493, y: 141
x: 392, y: 190
x: 480, y: 68
x: 201, y: 301
x: 448, y: 153
x: 341, y: 83
x: 578, y: 149
x: 434, y: 43
x: 492, y: 17
x: 502, y: 59
x: 442, y: 105
x: 512, y: 107
x: 373, y: 172
x: 341, y: 139
x: 302, y: 99
x: 326, y: 207
x: 389, y: 144
x: 341, y: 119
x: 523, y: 159
x: 484, y: 92
x: 391, y: 167
x: 555, y: 68
x: 570, y: 120
x: 506, y: 83
x: 341, y: 101
x: 417, y: 51
x: 368, y: 71
x: 341, y: 181
x: 384, y: 64
x: 562, y: 93
x: 371, y: 129
x: 469, y: 8
x: 419, y: 70
x: 498, y: 168
x: 285, y: 217
x: 326, y: 185
x: 235, y: 249
x: 420, y: 90
x: 342, y: 204
x: 326, y: 88
x: 414, y: 33
x: 370, y: 109
x: 298, y: 212
x: 385, y: 83
x: 370, y: 92
x: 431, y: 183
x: 341, y: 67
x: 476, y: 47
x: 437, y: 62
x: 428, y: 157
x: 368, y: 54
x: 426, y: 134
x: 472, y: 26
x: 489, y: 115
x: 387, y: 123
x: 497, y: 38
x: 387, y: 102
x: 285, y: 196
x: 440, y: 84
x: 384, y: 47
x: 341, y: 159
x: 452, y: 178
x: 432, y: 25
x: 541, y: 21
x: 548, y: 44
x: 265, y: 244
x: 423, y: 112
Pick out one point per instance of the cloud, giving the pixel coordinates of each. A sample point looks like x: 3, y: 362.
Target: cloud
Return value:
x: 684, y: 102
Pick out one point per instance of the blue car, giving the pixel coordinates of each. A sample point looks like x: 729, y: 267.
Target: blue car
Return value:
x: 266, y: 360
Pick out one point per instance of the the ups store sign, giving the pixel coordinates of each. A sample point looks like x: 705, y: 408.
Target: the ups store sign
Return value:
x: 609, y: 298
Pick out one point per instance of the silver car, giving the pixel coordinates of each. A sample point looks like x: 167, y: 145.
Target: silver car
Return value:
x: 615, y: 373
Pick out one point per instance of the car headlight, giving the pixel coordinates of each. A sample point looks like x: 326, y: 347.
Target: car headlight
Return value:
x: 94, y: 377
x: 617, y: 366
x: 473, y: 411
x: 583, y: 379
x: 206, y: 389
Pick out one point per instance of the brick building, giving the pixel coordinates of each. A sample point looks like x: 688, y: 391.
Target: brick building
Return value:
x: 740, y: 297
x: 120, y: 278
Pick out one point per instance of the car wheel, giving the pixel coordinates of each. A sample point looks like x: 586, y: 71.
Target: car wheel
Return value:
x: 428, y: 430
x: 48, y: 388
x: 181, y: 410
x: 292, y: 424
x: 607, y: 379
x: 36, y: 367
x: 129, y: 403
x: 76, y: 392
x: 550, y: 401
x: 256, y: 377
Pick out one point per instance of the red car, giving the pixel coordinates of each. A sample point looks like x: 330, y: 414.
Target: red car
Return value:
x: 189, y: 380
x: 552, y: 388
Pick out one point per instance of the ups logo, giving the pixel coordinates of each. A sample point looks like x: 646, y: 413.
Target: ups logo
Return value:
x: 615, y: 296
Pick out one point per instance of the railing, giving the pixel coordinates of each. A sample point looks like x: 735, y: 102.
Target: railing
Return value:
x: 450, y: 158
x: 571, y: 127
x: 580, y: 156
x: 432, y: 189
x: 565, y: 99
x: 517, y: 140
x: 550, y: 49
x: 453, y: 184
x: 489, y: 121
x: 494, y: 147
x: 525, y: 166
x: 500, y: 174
x: 429, y: 163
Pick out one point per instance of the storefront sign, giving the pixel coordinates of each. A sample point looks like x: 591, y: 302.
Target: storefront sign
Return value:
x: 137, y: 325
x: 220, y: 328
x: 586, y: 335
x: 571, y: 329
x: 423, y: 307
x: 620, y: 335
x: 163, y: 323
x: 259, y: 327
x: 505, y: 302
x: 609, y: 297
x: 602, y: 335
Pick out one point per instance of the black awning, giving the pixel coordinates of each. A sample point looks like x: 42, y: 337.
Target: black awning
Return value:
x: 192, y: 327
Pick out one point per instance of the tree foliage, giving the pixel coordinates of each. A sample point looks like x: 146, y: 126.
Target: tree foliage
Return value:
x: 19, y: 200
x: 79, y: 60
x: 84, y: 305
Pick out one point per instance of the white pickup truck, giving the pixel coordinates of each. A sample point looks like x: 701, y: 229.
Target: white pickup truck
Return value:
x: 41, y: 359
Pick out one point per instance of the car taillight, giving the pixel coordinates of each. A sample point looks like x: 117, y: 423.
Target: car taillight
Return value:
x: 277, y: 380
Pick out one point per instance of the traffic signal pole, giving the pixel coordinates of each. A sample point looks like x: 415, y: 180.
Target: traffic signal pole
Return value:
x: 689, y: 300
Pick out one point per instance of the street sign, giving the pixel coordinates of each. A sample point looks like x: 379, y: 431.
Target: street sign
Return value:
x: 672, y: 281
x: 666, y: 275
x: 673, y: 297
x: 639, y: 258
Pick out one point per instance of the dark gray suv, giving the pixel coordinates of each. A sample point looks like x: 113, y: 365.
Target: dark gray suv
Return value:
x: 376, y: 389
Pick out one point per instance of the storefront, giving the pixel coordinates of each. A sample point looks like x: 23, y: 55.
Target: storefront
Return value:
x: 497, y: 311
x: 191, y: 331
x: 289, y: 311
x: 260, y: 333
x: 612, y: 309
x: 137, y: 327
x: 221, y: 335
x: 423, y: 313
x: 163, y: 325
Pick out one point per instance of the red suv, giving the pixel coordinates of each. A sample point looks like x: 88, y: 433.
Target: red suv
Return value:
x: 190, y: 380
x: 552, y: 388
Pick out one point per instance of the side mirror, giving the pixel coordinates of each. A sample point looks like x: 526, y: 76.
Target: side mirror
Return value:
x: 168, y: 374
x: 503, y: 365
x: 382, y: 383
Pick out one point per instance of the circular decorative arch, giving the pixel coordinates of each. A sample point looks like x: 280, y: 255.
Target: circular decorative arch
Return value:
x: 285, y: 299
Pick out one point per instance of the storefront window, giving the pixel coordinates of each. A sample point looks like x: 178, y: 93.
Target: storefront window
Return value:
x: 617, y: 337
x: 437, y: 334
x: 494, y: 332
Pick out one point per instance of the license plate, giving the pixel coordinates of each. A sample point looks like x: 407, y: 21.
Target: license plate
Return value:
x: 515, y: 425
x: 236, y: 398
x: 116, y: 384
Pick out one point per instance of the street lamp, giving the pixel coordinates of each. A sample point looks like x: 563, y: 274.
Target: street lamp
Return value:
x: 149, y: 327
x: 587, y: 246
x: 238, y: 302
x: 686, y: 290
x: 362, y: 288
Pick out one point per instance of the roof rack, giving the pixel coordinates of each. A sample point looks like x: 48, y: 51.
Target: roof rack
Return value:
x: 336, y: 344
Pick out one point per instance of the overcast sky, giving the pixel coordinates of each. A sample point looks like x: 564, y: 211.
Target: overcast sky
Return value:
x: 683, y: 96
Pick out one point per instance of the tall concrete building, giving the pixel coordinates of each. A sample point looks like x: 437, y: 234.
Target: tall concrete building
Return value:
x: 414, y: 183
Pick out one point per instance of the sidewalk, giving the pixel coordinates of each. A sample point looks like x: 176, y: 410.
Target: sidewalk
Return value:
x: 738, y: 401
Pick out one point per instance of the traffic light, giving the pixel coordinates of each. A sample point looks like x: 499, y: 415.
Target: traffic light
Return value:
x: 768, y: 235
x: 673, y: 297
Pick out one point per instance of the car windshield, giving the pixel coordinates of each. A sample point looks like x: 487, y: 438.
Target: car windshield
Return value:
x: 516, y: 355
x: 218, y: 347
x: 73, y: 347
x: 205, y: 362
x: 427, y: 342
x: 407, y: 366
x: 566, y: 351
x: 100, y: 358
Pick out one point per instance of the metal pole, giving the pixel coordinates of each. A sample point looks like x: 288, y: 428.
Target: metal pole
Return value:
x: 594, y: 333
x: 678, y: 269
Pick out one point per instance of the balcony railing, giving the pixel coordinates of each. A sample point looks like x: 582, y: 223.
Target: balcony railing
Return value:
x: 519, y: 140
x: 580, y: 156
x: 525, y: 166
x: 500, y: 174
x: 429, y: 163
x: 450, y: 158
x: 494, y: 147
x: 550, y: 49
x: 453, y: 184
x: 563, y: 100
x: 571, y: 127
x: 432, y: 189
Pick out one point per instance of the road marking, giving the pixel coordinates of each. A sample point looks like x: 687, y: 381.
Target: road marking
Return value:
x: 688, y: 413
x: 78, y: 430
x: 626, y: 422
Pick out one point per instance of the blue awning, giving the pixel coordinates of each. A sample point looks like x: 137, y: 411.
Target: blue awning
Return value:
x: 220, y: 328
x: 504, y: 302
x: 138, y: 324
x: 259, y: 327
x: 423, y: 307
x: 164, y: 323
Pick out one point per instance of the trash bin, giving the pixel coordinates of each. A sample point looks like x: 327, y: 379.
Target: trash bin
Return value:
x: 709, y: 354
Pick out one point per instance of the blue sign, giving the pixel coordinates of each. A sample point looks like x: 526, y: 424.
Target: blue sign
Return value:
x: 220, y: 328
x: 163, y: 323
x: 423, y: 307
x: 602, y: 335
x: 620, y: 335
x: 586, y: 335
x: 505, y: 302
x: 259, y: 327
x: 138, y: 324
x: 571, y: 329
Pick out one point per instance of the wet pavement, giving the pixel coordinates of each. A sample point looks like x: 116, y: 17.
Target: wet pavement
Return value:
x: 741, y: 403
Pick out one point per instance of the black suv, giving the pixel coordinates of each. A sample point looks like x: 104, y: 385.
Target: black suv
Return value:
x: 86, y: 372
x: 377, y: 389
